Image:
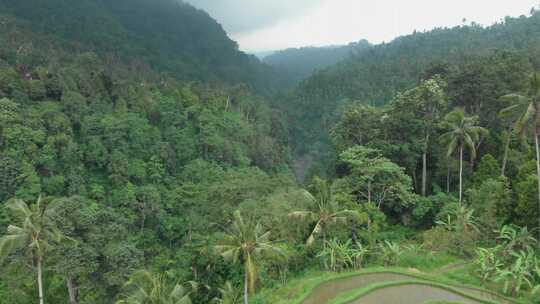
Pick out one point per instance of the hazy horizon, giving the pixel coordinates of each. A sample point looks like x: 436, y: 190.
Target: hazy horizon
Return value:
x: 280, y: 24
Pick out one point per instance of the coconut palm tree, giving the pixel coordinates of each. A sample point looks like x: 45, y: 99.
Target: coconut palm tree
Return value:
x: 145, y: 287
x: 509, y: 135
x: 527, y: 109
x: 325, y: 213
x: 463, y: 134
x: 246, y: 242
x: 33, y: 233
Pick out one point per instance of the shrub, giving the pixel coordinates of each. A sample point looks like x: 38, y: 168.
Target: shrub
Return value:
x: 437, y: 239
x: 390, y: 253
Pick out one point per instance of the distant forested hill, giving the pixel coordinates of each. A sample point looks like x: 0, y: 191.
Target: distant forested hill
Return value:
x: 300, y: 63
x: 374, y: 75
x: 168, y: 35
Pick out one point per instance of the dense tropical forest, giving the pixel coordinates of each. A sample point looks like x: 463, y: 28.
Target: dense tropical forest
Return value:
x: 300, y: 63
x: 145, y: 159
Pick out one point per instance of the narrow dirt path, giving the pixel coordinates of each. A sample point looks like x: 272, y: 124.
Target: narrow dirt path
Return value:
x: 450, y: 267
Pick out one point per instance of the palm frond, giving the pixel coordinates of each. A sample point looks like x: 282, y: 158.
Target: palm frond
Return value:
x: 525, y: 119
x: 19, y: 209
x: 452, y: 147
x: 469, y: 142
x: 9, y: 243
x: 302, y: 215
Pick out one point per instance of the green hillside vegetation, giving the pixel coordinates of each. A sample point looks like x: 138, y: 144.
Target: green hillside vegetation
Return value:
x: 168, y: 35
x: 375, y: 75
x: 123, y: 158
x: 300, y: 63
x: 131, y: 174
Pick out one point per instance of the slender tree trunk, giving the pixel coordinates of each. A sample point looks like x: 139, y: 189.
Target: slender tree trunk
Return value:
x: 415, y: 180
x: 246, y: 300
x: 424, y: 173
x: 506, y: 150
x: 424, y: 166
x: 477, y: 147
x: 460, y: 174
x: 448, y: 179
x: 143, y: 215
x: 40, y: 280
x: 537, y: 169
x: 369, y: 192
x: 250, y: 280
x: 72, y: 290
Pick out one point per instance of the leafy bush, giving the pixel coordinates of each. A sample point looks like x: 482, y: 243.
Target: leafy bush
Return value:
x: 488, y: 263
x: 438, y: 239
x: 427, y: 208
x: 390, y: 253
x: 461, y: 222
x: 513, y: 262
x: 337, y: 256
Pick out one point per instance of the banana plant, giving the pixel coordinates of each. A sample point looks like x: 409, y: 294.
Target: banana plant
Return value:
x: 390, y: 253
x: 516, y: 238
x: 488, y: 263
x: 359, y: 254
x: 519, y: 275
x: 460, y: 219
x: 336, y: 255
x: 536, y: 289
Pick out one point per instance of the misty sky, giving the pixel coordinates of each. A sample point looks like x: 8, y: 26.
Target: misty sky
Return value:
x: 262, y: 25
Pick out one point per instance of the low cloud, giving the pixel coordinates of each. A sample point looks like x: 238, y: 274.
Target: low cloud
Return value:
x: 241, y: 16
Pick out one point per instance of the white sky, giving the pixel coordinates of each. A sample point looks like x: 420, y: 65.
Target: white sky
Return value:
x: 263, y: 25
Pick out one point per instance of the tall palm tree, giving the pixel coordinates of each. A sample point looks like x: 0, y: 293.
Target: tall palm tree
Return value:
x: 506, y: 149
x: 246, y: 243
x: 527, y: 109
x: 145, y: 287
x: 463, y: 134
x: 33, y: 232
x: 325, y: 213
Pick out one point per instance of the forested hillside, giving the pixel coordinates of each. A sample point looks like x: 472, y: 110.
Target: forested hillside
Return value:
x: 169, y: 35
x: 299, y: 63
x: 375, y: 75
x: 139, y: 162
x: 138, y: 165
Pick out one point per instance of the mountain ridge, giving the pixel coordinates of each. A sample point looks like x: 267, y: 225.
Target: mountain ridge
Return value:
x: 174, y: 37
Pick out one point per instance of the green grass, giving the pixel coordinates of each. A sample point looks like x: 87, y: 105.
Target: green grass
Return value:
x: 427, y: 263
x: 464, y: 275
